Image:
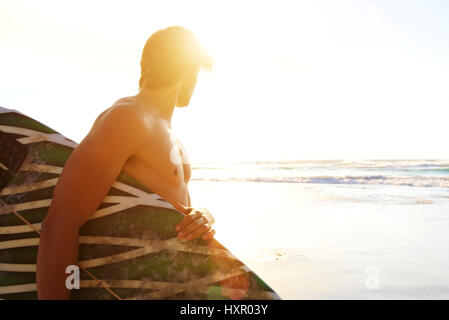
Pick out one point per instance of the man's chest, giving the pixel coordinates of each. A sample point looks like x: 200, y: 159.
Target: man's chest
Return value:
x: 164, y: 155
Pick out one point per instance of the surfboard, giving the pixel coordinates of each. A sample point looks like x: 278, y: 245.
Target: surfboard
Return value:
x: 128, y: 249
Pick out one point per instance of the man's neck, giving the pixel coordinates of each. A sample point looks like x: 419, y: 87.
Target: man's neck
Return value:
x: 160, y: 102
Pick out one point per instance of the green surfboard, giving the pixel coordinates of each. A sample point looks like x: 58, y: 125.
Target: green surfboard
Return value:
x: 129, y: 243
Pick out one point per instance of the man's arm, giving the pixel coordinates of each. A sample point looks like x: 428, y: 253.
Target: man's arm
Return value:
x: 84, y: 182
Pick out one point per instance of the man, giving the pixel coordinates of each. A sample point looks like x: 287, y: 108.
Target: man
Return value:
x: 134, y: 135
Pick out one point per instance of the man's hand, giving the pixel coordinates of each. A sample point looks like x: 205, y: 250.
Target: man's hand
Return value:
x: 196, y: 223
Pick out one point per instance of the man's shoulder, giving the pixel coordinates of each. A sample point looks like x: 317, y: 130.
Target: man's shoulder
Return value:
x: 123, y: 124
x: 123, y: 114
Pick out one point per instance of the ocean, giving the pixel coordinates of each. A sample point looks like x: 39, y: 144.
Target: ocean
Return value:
x: 374, y: 229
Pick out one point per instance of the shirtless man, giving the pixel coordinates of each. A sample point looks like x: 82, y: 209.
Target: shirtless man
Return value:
x: 134, y: 135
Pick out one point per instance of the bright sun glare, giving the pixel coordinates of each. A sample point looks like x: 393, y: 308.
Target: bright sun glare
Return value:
x: 291, y: 79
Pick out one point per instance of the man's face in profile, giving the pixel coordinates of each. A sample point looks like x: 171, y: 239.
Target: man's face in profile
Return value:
x: 185, y: 91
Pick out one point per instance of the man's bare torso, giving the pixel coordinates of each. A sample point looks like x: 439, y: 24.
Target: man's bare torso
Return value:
x: 161, y: 165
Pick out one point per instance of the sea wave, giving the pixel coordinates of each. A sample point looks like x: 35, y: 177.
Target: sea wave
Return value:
x: 405, y: 164
x: 413, y: 181
x: 418, y: 165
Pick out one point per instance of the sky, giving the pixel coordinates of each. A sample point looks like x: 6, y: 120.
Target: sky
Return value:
x: 361, y: 79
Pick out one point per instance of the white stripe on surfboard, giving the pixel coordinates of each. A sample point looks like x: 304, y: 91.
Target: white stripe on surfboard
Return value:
x: 186, y: 246
x: 17, y: 267
x: 120, y: 257
x: 19, y: 229
x: 147, y: 248
x: 52, y: 182
x: 32, y: 136
x: 117, y: 184
x: 166, y: 288
x: 127, y: 203
x: 170, y: 244
x: 36, y: 136
x: 177, y: 288
x: 25, y: 206
x: 122, y: 203
x: 28, y: 242
x: 19, y: 288
x: 2, y: 166
x: 145, y: 284
x: 138, y: 194
x: 154, y: 285
x: 97, y: 262
x: 141, y: 197
x: 29, y: 187
x: 41, y: 168
x: 152, y: 247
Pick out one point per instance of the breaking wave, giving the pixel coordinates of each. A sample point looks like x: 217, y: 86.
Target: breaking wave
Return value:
x: 416, y: 173
x: 377, y: 179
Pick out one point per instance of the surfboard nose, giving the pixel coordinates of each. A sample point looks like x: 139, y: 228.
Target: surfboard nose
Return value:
x: 12, y: 156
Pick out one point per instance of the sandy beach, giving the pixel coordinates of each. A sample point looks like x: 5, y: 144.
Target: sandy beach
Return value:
x: 336, y: 240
